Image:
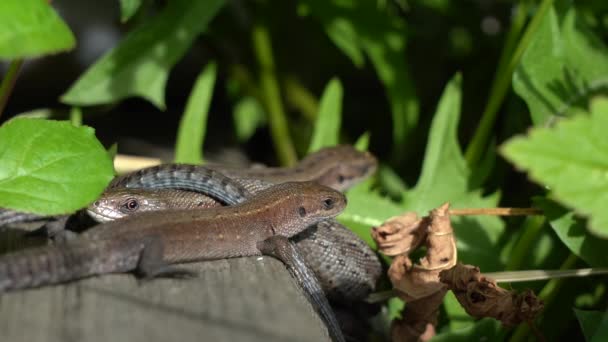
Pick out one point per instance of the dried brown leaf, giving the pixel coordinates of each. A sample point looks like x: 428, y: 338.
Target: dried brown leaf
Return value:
x: 400, y: 234
x: 482, y: 297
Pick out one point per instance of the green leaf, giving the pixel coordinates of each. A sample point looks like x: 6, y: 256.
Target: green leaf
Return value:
x: 362, y: 143
x: 248, y: 115
x: 572, y: 232
x: 367, y: 209
x: 192, y: 126
x: 562, y: 67
x: 601, y: 334
x: 140, y: 64
x: 589, y: 321
x: 486, y: 329
x: 363, y: 28
x: 327, y: 126
x: 128, y: 8
x: 50, y: 167
x: 570, y: 158
x: 31, y: 28
x: 445, y: 178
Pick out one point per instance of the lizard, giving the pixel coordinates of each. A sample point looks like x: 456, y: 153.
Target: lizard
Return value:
x: 150, y: 242
x: 345, y: 265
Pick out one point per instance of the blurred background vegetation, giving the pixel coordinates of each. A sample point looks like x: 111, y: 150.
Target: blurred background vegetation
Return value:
x: 270, y: 68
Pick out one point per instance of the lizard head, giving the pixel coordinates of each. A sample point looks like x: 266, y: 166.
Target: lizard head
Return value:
x: 297, y: 205
x: 122, y: 202
x: 341, y: 166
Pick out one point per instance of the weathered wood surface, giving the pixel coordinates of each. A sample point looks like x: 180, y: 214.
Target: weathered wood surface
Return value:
x: 245, y: 299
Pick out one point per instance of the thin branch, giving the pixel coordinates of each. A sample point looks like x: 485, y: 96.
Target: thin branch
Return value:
x: 496, y: 211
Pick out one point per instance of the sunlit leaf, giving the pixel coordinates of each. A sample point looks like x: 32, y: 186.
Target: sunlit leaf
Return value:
x: 31, y: 28
x: 140, y: 64
x: 327, y: 126
x: 570, y: 158
x: 50, y: 167
x: 193, y: 124
x: 564, y: 65
x: 445, y: 178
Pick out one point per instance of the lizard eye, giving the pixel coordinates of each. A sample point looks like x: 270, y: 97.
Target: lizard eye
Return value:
x: 302, y: 211
x: 341, y: 179
x: 131, y: 204
x: 328, y: 203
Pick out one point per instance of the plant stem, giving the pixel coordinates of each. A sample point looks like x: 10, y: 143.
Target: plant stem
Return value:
x: 532, y: 227
x: 504, y: 75
x: 76, y: 116
x: 272, y: 97
x: 547, y: 294
x: 8, y: 83
x: 495, y: 211
x: 301, y: 98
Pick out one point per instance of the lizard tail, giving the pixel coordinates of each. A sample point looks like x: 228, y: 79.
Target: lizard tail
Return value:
x: 59, y: 263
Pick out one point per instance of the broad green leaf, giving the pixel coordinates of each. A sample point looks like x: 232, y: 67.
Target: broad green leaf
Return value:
x: 128, y: 8
x: 248, y: 114
x: 327, y: 127
x: 192, y: 126
x: 50, y: 167
x: 570, y: 158
x: 572, y: 232
x: 589, y: 321
x: 31, y: 28
x: 360, y: 28
x: 564, y: 65
x: 445, y: 178
x: 140, y: 64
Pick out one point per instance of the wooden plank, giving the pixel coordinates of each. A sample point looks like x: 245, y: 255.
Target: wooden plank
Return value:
x: 245, y: 299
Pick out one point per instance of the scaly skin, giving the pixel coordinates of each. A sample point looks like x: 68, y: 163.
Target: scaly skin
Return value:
x: 345, y: 265
x: 148, y: 241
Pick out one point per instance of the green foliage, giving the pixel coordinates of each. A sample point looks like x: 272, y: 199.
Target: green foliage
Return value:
x: 590, y: 322
x: 248, y: 115
x: 572, y: 232
x: 564, y: 65
x: 140, y: 64
x: 484, y: 330
x: 445, y: 177
x: 327, y: 126
x: 360, y: 28
x: 50, y: 167
x: 555, y: 56
x: 128, y: 8
x: 192, y: 126
x: 570, y: 158
x: 31, y: 28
